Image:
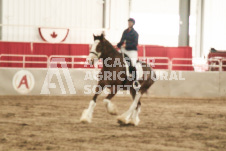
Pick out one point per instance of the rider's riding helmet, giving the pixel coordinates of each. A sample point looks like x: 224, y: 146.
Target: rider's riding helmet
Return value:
x: 132, y: 20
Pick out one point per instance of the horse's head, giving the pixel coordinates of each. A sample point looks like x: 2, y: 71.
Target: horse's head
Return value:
x: 95, y: 51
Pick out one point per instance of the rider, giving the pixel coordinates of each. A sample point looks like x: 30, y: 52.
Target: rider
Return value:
x: 128, y: 45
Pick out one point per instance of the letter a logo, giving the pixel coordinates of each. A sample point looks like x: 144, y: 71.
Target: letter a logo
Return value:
x: 23, y: 81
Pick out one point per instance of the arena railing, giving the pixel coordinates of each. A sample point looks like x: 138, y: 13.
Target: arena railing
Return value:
x: 149, y: 60
x: 216, y: 63
x: 72, y: 58
x: 210, y: 66
x: 157, y: 61
x: 222, y: 62
x: 180, y: 65
x: 23, y: 61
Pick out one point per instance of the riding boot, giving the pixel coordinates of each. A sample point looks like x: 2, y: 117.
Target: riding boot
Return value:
x: 136, y: 83
x: 131, y: 71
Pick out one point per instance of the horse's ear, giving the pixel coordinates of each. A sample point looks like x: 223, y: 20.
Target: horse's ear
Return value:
x: 102, y: 37
x: 94, y: 36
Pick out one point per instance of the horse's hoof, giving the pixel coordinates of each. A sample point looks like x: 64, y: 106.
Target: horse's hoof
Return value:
x: 133, y: 122
x: 113, y: 113
x: 84, y: 121
x: 112, y: 110
x: 122, y: 121
x: 85, y: 118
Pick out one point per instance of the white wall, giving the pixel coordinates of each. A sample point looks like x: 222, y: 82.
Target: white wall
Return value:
x: 83, y: 17
x: 214, y: 31
x: 214, y: 25
x: 118, y: 19
x: 157, y: 21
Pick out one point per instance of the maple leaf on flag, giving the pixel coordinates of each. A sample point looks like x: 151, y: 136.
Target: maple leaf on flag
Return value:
x: 53, y: 35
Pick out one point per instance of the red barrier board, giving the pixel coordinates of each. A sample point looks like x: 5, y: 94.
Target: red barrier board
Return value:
x: 49, y: 49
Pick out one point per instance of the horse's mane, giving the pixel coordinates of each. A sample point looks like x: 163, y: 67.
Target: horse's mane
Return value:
x: 111, y: 47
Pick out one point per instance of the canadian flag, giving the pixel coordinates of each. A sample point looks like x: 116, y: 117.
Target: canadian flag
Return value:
x: 53, y: 35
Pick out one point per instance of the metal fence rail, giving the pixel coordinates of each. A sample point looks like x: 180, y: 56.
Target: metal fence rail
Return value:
x: 23, y: 61
x: 215, y: 63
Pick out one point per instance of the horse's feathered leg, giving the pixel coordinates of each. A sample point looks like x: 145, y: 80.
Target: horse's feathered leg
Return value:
x: 134, y: 119
x: 111, y: 108
x: 135, y: 115
x: 126, y: 117
x: 88, y: 113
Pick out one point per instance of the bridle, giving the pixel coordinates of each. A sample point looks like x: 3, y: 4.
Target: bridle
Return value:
x: 96, y: 54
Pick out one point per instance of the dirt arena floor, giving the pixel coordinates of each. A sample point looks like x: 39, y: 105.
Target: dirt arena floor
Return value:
x: 52, y: 123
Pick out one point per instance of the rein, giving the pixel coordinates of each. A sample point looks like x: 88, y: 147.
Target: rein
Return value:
x: 96, y: 54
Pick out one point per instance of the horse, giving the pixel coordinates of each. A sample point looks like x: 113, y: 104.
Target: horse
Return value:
x: 103, y: 49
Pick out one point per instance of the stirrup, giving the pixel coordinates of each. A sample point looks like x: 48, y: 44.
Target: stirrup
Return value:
x: 136, y: 84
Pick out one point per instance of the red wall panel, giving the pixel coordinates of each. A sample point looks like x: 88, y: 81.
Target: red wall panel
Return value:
x: 180, y: 52
x: 15, y: 48
x: 60, y: 49
x: 83, y: 49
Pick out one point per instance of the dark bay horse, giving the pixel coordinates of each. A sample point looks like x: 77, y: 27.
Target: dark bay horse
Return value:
x: 114, y: 62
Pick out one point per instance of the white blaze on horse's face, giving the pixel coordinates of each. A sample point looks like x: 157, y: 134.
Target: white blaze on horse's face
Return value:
x: 93, y: 54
